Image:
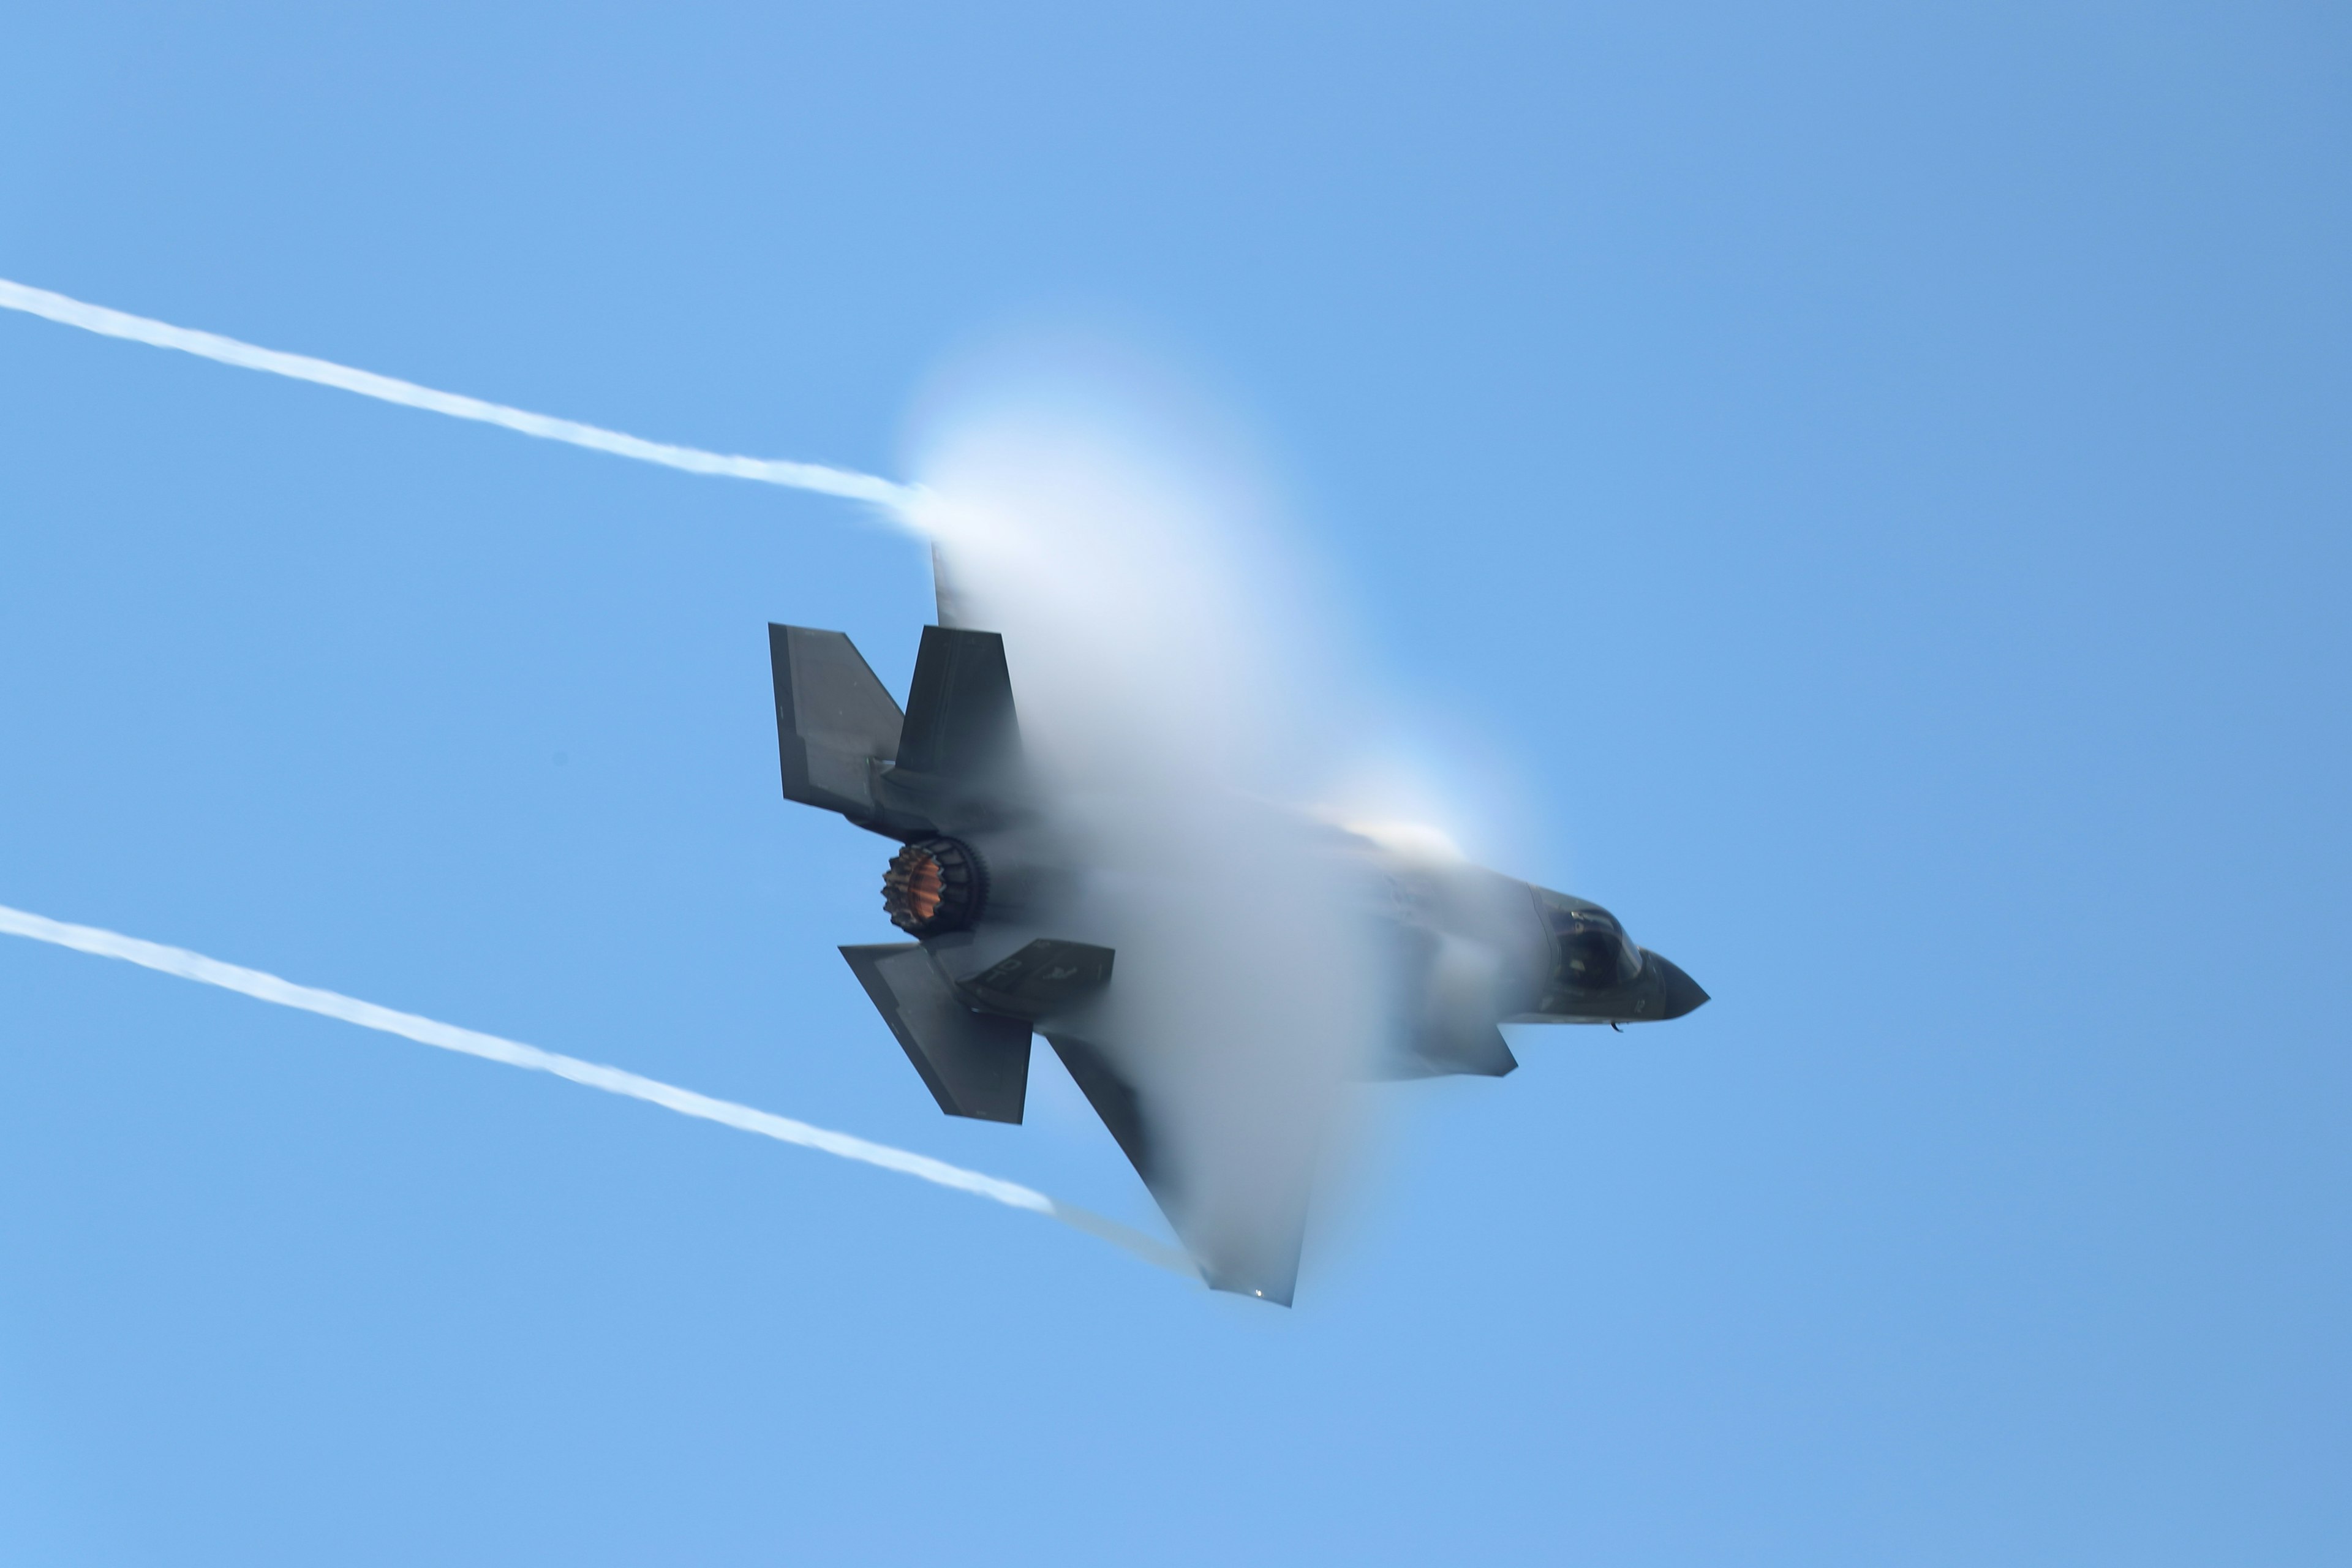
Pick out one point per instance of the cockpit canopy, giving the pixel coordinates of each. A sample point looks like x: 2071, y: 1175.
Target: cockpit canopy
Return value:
x: 1591, y: 951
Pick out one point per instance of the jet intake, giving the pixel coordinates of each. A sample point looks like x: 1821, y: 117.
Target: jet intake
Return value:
x: 934, y: 886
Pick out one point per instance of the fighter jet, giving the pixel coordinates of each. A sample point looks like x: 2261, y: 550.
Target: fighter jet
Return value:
x: 1010, y: 932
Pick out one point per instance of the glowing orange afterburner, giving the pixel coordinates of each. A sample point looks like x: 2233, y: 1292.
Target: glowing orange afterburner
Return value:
x: 910, y: 888
x: 933, y: 886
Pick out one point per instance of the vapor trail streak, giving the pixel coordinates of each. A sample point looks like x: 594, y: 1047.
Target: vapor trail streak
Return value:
x: 228, y: 351
x: 612, y: 1080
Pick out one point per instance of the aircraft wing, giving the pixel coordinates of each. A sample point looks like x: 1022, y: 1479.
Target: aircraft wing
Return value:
x: 1232, y: 1179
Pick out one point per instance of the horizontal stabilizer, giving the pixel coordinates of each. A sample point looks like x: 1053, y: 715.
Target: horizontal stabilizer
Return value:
x: 975, y: 1064
x: 834, y: 722
x: 1046, y: 975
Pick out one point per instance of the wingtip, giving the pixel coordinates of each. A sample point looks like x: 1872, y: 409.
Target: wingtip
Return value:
x: 1277, y: 1293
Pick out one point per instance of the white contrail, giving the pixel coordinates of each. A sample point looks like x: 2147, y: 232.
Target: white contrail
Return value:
x: 612, y: 1080
x: 228, y: 351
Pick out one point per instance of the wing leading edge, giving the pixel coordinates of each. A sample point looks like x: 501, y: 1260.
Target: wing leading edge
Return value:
x: 1233, y: 1183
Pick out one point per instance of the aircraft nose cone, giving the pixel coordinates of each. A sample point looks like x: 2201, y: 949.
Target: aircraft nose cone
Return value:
x: 1678, y: 992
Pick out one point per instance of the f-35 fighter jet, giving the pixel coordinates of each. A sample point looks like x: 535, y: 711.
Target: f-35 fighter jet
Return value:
x: 1008, y: 933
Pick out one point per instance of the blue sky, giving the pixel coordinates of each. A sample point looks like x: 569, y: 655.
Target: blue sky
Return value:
x: 1859, y: 490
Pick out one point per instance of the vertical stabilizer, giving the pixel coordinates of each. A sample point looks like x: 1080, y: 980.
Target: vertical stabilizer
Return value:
x: 960, y: 724
x: 834, y: 722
